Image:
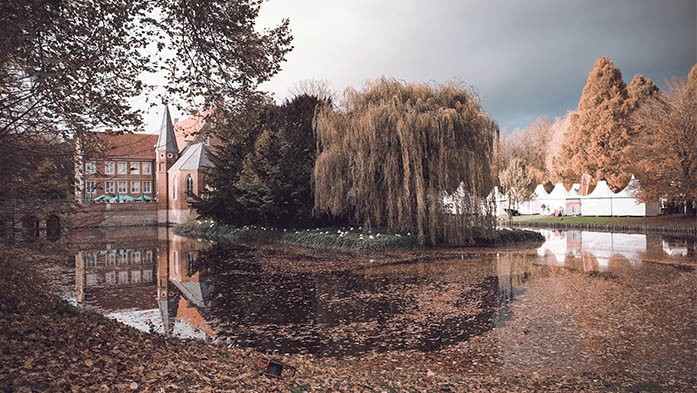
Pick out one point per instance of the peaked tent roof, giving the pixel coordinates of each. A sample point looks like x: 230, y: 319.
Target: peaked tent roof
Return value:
x: 574, y: 191
x: 540, y: 191
x: 194, y: 157
x: 559, y: 191
x: 167, y: 140
x: 601, y: 190
x: 628, y: 191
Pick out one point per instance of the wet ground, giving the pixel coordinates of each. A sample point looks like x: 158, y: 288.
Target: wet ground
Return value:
x: 582, y: 301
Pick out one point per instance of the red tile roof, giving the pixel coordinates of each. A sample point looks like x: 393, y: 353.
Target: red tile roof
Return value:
x: 186, y: 130
x: 107, y: 145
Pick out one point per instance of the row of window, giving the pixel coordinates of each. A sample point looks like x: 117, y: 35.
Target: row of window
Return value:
x: 136, y: 277
x: 110, y: 187
x: 136, y: 257
x: 124, y: 168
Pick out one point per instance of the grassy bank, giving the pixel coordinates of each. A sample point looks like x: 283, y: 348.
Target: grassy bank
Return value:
x: 677, y: 221
x: 344, y: 239
x: 673, y: 224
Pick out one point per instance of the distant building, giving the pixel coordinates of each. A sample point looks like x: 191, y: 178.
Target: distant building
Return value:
x: 167, y: 168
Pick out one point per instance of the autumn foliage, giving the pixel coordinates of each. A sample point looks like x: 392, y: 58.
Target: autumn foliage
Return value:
x: 387, y: 158
x: 665, y: 155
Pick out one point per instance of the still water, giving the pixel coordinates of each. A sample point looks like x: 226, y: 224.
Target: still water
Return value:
x: 288, y: 300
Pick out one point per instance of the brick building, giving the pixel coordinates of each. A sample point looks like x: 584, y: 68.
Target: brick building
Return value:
x: 167, y: 168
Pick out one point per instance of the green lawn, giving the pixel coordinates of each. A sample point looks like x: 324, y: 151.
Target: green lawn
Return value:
x: 668, y: 220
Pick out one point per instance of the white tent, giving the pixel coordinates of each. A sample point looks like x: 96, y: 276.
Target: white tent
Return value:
x: 624, y: 203
x: 598, y: 202
x: 554, y: 201
x: 573, y: 200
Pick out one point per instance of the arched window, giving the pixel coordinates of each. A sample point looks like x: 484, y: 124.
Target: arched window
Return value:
x: 189, y: 186
x: 174, y: 187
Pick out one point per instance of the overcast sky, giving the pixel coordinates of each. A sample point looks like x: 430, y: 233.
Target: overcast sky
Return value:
x: 525, y: 58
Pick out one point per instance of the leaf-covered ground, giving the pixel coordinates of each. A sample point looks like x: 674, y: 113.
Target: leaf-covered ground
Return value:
x: 621, y: 335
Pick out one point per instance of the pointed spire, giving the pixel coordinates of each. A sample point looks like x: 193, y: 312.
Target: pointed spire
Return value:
x: 167, y: 141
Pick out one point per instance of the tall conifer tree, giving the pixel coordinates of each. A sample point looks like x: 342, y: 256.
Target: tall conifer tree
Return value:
x: 599, y: 133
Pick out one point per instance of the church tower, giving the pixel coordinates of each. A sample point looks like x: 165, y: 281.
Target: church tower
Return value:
x: 166, y: 153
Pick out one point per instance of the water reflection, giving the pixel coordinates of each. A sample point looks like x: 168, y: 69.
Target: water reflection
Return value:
x: 276, y: 300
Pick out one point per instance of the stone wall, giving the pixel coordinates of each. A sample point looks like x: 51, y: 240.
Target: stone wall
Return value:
x: 114, y: 215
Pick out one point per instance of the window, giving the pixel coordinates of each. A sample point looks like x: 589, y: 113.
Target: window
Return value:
x: 135, y: 257
x: 174, y: 187
x: 206, y: 140
x: 148, y: 256
x: 135, y: 187
x: 147, y: 275
x: 110, y: 259
x: 190, y: 266
x: 109, y: 167
x: 135, y: 168
x: 147, y: 187
x: 90, y: 167
x: 147, y: 168
x: 123, y: 168
x: 91, y: 280
x: 135, y: 276
x: 110, y: 278
x: 90, y: 259
x: 109, y: 187
x: 123, y: 277
x: 90, y: 186
x: 189, y: 186
x: 123, y: 258
x: 123, y: 187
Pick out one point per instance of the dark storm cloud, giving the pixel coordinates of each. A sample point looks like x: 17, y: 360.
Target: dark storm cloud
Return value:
x: 525, y: 58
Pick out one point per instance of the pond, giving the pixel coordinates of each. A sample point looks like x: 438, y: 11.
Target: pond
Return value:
x: 579, y: 296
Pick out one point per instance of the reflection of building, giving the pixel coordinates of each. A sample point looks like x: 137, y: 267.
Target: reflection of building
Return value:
x: 144, y: 277
x: 596, y: 249
x: 115, y: 274
x: 188, y: 293
x: 674, y: 247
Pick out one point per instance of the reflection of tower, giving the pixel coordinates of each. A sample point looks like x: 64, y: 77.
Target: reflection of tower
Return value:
x: 79, y: 277
x: 167, y: 311
x: 166, y: 153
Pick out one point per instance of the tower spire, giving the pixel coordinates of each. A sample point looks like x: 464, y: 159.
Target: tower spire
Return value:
x: 167, y: 141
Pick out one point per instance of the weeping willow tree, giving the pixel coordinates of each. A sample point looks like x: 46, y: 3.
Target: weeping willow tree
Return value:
x: 396, y: 152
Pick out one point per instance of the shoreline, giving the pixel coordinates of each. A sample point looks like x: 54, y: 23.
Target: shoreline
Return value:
x: 626, y: 228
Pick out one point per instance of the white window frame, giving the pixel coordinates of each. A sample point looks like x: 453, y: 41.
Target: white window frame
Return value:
x: 135, y: 257
x: 123, y: 258
x: 147, y: 275
x: 109, y: 167
x: 147, y: 168
x: 123, y: 190
x: 111, y: 259
x: 110, y: 278
x: 109, y: 187
x: 135, y: 187
x: 91, y: 279
x: 122, y: 168
x: 90, y: 167
x: 90, y: 186
x: 123, y: 277
x: 148, y: 189
x: 136, y: 276
x: 90, y: 259
x: 134, y: 168
x: 148, y: 256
